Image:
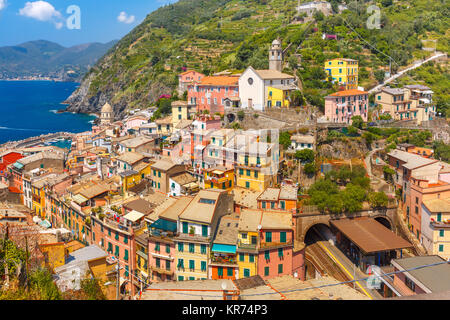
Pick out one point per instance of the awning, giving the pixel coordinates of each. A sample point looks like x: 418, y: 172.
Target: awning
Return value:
x: 226, y: 248
x: 164, y: 225
x: 134, y: 216
x: 370, y: 235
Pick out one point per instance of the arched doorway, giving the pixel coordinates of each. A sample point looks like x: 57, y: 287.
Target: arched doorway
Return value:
x: 231, y: 117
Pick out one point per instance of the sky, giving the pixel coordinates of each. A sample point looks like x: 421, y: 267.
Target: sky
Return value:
x: 71, y: 22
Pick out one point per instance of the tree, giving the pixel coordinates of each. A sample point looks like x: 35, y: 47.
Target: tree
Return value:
x: 297, y: 98
x: 352, y: 131
x: 310, y: 168
x: 241, y: 115
x: 352, y: 198
x: 369, y: 137
x: 388, y: 173
x: 378, y: 199
x: 386, y: 3
x: 285, y: 139
x: 319, y: 16
x: 379, y: 75
x: 92, y: 290
x: 357, y: 122
x: 305, y: 155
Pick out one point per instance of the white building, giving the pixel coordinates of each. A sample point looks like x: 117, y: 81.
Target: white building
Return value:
x: 302, y: 141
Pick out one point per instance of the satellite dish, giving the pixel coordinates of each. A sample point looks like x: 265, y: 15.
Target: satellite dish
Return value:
x: 259, y: 227
x: 224, y: 285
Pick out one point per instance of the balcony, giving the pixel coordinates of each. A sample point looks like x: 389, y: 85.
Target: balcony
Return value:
x: 439, y: 224
x: 161, y: 270
x: 247, y: 246
x: 228, y: 260
x: 273, y: 245
x: 193, y: 237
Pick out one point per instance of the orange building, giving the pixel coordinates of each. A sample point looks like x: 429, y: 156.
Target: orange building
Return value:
x: 284, y: 198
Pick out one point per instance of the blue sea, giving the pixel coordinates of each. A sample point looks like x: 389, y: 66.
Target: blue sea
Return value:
x: 28, y: 108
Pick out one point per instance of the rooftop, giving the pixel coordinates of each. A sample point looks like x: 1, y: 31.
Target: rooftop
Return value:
x: 273, y: 74
x: 270, y: 194
x: 246, y: 197
x: 140, y: 205
x: 437, y: 205
x: 370, y: 235
x: 434, y: 278
x: 412, y: 160
x: 203, y: 206
x: 346, y: 93
x: 250, y: 219
x: 136, y: 142
x: 175, y: 208
x: 163, y: 165
x: 183, y: 178
x: 302, y: 138
x: 220, y: 81
x: 130, y: 157
x: 227, y: 230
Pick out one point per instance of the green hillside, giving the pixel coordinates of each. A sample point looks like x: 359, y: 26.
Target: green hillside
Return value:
x: 214, y: 35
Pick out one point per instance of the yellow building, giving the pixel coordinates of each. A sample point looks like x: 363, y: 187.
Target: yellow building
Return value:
x: 435, y: 235
x: 54, y: 254
x: 38, y: 195
x: 247, y: 254
x: 279, y: 96
x: 219, y: 177
x: 256, y: 168
x: 197, y: 225
x: 133, y: 177
x: 180, y: 111
x: 164, y: 126
x: 343, y: 71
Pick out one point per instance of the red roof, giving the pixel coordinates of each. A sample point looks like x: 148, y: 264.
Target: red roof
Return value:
x: 220, y: 81
x: 352, y: 92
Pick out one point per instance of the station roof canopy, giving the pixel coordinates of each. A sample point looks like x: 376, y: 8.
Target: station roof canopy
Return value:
x: 370, y: 235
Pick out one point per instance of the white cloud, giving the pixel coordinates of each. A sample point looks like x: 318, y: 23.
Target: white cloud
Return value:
x: 39, y: 10
x: 2, y: 4
x: 42, y: 11
x: 125, y: 18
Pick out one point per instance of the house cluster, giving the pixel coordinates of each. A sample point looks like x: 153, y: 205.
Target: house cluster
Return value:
x: 412, y: 102
x: 423, y: 184
x: 164, y: 203
x: 254, y: 89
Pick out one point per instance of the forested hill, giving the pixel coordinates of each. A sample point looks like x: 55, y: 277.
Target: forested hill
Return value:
x: 214, y: 35
x: 48, y: 59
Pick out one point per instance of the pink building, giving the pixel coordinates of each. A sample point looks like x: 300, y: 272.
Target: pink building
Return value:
x: 135, y: 121
x: 341, y: 106
x: 211, y: 92
x: 186, y: 78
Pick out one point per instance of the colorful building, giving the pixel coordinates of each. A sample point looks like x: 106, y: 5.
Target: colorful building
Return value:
x: 257, y: 166
x: 283, y: 198
x: 343, y: 71
x: 341, y: 106
x: 223, y: 262
x: 186, y: 78
x: 436, y: 227
x: 210, y: 93
x: 197, y: 224
x: 279, y: 96
x: 219, y: 178
x: 181, y: 110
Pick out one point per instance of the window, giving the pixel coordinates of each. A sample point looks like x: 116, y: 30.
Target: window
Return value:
x: 157, y: 247
x: 126, y: 255
x: 410, y: 284
x: 191, y: 265
x: 229, y: 272
x: 441, y: 233
x: 272, y: 205
x: 167, y: 265
x: 247, y: 184
x: 117, y: 235
x: 116, y: 253
x: 203, y: 265
x: 246, y: 273
x: 205, y: 230
x: 263, y: 204
x: 125, y: 239
x: 266, y: 271
x: 110, y: 247
x: 167, y: 248
x: 241, y: 172
x: 280, y: 252
x: 220, y: 272
x: 256, y: 174
x: 283, y: 237
x: 126, y: 271
x: 268, y: 236
x: 180, y: 264
x: 441, y: 248
x: 203, y: 248
x: 185, y: 227
x: 416, y: 209
x: 251, y: 258
x: 241, y: 257
x: 180, y: 247
x: 180, y: 278
x: 191, y: 247
x: 282, y: 205
x: 267, y: 255
x: 439, y: 217
x: 280, y: 268
x: 248, y: 173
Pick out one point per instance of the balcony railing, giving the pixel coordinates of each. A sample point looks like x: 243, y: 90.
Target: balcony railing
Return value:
x: 247, y: 246
x: 440, y: 224
x: 223, y: 260
x: 275, y: 244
